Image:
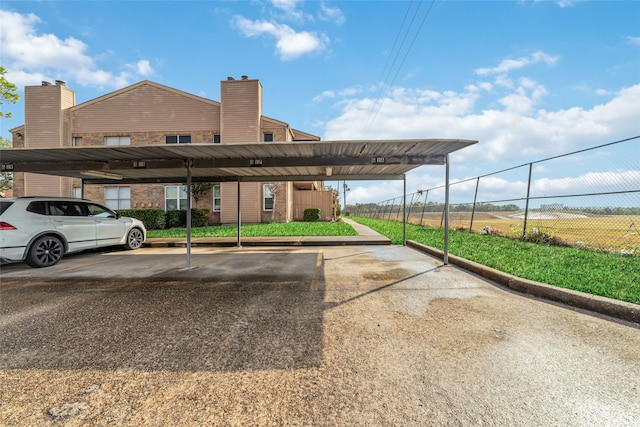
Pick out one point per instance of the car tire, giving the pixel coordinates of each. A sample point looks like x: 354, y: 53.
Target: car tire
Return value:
x: 135, y: 237
x: 45, y: 252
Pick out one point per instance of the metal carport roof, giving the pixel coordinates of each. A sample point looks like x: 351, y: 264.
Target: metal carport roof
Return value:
x: 242, y: 162
x: 263, y: 161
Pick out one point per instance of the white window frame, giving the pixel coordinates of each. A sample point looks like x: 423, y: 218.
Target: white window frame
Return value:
x: 266, y: 190
x: 117, y: 197
x: 218, y: 198
x: 117, y: 140
x: 180, y: 189
x: 76, y: 141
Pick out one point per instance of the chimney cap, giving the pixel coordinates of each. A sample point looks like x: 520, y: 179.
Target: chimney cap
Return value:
x: 46, y: 83
x: 245, y: 77
x: 230, y: 78
x: 60, y: 83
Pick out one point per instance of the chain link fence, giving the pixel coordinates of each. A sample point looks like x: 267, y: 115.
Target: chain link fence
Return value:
x: 595, y: 206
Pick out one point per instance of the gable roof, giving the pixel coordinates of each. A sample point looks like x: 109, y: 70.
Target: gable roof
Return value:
x: 135, y: 86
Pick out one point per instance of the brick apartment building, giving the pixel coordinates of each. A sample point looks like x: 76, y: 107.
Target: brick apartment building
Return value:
x: 147, y: 113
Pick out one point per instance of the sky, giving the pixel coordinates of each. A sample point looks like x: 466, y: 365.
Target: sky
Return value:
x: 527, y: 79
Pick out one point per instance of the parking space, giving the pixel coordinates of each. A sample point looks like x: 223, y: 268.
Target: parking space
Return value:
x: 343, y: 335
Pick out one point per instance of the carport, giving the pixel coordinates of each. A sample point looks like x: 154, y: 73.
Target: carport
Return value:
x: 241, y: 162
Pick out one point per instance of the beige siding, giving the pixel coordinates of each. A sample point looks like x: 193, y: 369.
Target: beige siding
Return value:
x: 312, y: 199
x: 250, y: 202
x: 47, y: 125
x: 43, y: 116
x: 144, y: 108
x: 241, y: 110
x: 44, y: 185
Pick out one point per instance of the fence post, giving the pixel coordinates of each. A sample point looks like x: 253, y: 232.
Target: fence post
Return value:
x: 526, y: 208
x: 424, y: 207
x: 404, y: 210
x: 473, y: 210
x: 401, y: 207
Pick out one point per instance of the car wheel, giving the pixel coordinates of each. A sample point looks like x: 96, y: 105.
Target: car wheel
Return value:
x: 45, y: 252
x: 134, y: 239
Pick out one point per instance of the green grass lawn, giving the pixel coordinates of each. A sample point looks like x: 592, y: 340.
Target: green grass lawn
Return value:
x: 257, y: 230
x: 599, y: 273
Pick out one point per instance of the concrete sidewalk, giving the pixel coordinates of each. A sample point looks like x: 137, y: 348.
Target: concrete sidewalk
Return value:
x: 366, y: 236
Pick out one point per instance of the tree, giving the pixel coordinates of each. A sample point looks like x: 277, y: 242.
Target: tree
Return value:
x: 199, y: 189
x: 274, y: 191
x: 7, y: 94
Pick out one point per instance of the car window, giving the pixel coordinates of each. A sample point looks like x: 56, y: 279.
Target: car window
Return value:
x: 4, y: 205
x: 100, y: 211
x: 64, y: 208
x: 37, y: 207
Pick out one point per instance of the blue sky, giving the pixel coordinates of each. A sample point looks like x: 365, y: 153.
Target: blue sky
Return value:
x: 528, y: 79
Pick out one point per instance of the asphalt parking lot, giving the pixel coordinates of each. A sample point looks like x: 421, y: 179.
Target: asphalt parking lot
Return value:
x: 342, y: 335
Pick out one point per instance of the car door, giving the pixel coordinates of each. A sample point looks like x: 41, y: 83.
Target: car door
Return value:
x: 69, y: 218
x: 110, y: 229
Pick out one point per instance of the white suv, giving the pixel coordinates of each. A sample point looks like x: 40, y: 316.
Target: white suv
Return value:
x: 40, y: 230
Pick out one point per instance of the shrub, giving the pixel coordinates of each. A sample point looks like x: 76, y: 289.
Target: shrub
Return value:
x: 311, y: 215
x: 153, y: 219
x: 178, y: 218
x: 543, y: 236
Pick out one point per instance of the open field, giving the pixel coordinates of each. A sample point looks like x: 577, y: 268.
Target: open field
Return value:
x: 616, y: 233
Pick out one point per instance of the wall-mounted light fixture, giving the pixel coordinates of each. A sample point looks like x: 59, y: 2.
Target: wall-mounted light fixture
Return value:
x: 328, y: 170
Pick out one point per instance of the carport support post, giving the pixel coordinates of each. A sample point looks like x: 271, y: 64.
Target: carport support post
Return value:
x: 404, y: 209
x: 189, y: 164
x: 238, y: 244
x: 445, y: 257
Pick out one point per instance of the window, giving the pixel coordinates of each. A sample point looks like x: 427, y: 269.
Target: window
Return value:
x: 216, y: 198
x: 99, y: 211
x: 64, y: 208
x: 177, y: 139
x: 267, y: 197
x: 117, y: 197
x: 267, y: 137
x: 76, y: 141
x: 175, y: 197
x: 77, y: 192
x: 216, y: 138
x: 117, y: 140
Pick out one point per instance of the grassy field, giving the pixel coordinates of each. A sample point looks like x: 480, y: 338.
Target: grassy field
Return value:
x: 256, y: 230
x: 614, y: 233
x: 600, y: 273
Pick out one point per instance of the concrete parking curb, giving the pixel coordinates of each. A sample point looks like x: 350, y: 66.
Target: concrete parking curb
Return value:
x: 607, y: 306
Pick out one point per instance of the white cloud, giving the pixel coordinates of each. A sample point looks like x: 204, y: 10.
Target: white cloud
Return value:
x: 143, y: 68
x: 30, y: 56
x: 507, y: 65
x: 289, y: 43
x: 519, y: 131
x: 633, y: 40
x: 286, y: 5
x: 332, y: 14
